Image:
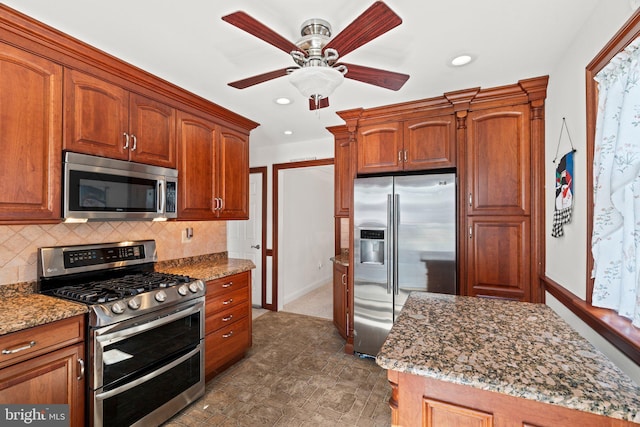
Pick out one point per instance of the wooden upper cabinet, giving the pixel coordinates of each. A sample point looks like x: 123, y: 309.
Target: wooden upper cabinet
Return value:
x: 103, y: 119
x: 196, y: 167
x: 152, y: 127
x: 380, y: 148
x: 430, y: 143
x: 343, y: 179
x: 96, y: 116
x: 233, y: 175
x: 410, y: 145
x: 499, y: 161
x: 30, y: 137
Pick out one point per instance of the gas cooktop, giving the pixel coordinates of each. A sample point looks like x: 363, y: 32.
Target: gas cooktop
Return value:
x: 116, y: 280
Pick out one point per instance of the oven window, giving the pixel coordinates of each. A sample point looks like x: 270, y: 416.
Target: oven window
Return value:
x: 139, y: 354
x: 90, y: 191
x: 127, y: 407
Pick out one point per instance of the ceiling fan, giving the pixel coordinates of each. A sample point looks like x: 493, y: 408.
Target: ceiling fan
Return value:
x: 317, y: 71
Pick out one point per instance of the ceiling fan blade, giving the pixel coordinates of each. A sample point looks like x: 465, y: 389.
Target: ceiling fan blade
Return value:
x: 260, y: 78
x: 375, y: 76
x: 254, y: 27
x: 322, y: 103
x: 373, y: 22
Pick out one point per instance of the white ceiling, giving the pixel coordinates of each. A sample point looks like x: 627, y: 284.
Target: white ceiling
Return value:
x: 187, y: 43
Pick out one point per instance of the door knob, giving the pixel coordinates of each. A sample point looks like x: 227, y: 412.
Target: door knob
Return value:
x: 255, y: 246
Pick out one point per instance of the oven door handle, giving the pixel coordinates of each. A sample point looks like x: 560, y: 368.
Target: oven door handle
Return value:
x: 149, y: 376
x: 114, y: 333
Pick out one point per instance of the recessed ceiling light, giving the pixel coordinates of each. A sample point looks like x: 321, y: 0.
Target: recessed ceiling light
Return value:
x: 461, y: 60
x: 288, y: 132
x: 282, y: 101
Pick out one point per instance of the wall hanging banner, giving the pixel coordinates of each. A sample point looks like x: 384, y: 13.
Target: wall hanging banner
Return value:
x: 564, y: 194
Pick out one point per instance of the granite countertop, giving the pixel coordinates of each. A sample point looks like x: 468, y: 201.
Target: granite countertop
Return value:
x: 22, y: 311
x: 206, y: 268
x: 520, y: 349
x: 21, y: 308
x: 342, y: 259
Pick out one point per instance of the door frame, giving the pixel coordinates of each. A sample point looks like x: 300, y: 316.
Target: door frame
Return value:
x: 262, y: 171
x: 274, y: 227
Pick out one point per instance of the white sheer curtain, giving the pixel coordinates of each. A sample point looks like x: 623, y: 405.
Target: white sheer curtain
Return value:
x: 615, y: 242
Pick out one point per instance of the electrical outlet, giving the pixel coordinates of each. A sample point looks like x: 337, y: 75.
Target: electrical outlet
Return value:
x: 187, y: 235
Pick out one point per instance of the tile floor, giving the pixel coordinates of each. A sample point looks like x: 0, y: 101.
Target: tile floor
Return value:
x: 296, y: 374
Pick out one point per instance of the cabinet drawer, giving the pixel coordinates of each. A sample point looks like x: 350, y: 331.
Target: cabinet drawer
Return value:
x: 225, y: 301
x: 227, y: 344
x: 22, y: 345
x: 227, y: 284
x: 224, y: 318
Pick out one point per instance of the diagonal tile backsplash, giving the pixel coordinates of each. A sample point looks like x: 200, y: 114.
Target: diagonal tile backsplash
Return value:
x: 19, y: 243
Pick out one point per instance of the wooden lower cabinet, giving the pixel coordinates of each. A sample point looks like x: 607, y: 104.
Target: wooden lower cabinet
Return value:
x: 340, y: 306
x: 47, y: 370
x: 498, y: 258
x: 422, y: 401
x: 227, y: 322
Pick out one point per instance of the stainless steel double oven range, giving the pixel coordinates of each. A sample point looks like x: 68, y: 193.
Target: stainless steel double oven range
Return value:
x: 145, y: 347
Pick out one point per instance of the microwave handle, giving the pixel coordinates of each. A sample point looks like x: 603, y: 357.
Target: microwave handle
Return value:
x: 162, y: 196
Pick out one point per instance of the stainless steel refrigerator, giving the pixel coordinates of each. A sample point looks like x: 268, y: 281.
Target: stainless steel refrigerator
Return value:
x: 404, y: 240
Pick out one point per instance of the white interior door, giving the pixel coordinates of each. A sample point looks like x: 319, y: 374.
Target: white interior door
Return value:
x: 244, y: 238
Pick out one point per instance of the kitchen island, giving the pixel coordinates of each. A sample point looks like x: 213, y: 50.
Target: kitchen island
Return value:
x: 455, y: 360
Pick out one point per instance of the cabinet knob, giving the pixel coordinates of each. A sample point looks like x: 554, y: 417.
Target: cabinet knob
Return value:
x: 126, y: 140
x: 135, y: 142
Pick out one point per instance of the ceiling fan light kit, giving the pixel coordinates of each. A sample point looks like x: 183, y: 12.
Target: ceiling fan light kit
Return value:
x: 317, y: 73
x: 316, y: 82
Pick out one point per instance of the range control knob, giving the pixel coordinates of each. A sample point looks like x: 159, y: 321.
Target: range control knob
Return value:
x: 161, y: 296
x: 196, y: 286
x: 134, y: 303
x: 118, y: 307
x: 183, y: 290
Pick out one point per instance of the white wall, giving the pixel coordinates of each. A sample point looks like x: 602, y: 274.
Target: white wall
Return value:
x: 284, y: 153
x: 566, y: 256
x: 306, y: 226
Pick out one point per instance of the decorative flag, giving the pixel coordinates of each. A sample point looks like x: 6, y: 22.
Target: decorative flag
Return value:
x: 564, y: 194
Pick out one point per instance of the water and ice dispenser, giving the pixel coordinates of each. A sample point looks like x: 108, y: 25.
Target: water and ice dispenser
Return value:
x: 372, y: 246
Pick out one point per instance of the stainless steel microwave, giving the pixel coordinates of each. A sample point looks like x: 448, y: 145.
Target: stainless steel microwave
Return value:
x: 97, y: 188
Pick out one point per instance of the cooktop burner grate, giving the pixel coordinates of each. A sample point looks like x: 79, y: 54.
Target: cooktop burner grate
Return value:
x: 100, y: 291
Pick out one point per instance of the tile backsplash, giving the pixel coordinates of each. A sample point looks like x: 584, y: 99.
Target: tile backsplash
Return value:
x: 19, y: 243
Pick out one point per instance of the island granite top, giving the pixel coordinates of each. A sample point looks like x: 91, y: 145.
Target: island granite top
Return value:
x: 520, y: 349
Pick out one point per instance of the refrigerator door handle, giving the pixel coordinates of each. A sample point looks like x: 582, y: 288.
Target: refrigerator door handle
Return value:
x: 388, y: 242
x: 396, y: 223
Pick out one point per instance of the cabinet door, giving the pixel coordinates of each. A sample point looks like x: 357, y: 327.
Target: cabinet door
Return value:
x: 430, y: 143
x: 444, y: 414
x: 498, y: 259
x: 498, y: 162
x: 233, y: 174
x: 152, y: 127
x: 380, y: 148
x: 340, y: 299
x: 30, y: 136
x: 342, y: 176
x: 95, y: 116
x: 53, y: 378
x: 196, y: 167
